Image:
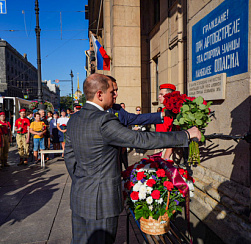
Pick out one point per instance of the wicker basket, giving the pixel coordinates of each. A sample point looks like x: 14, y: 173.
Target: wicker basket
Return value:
x: 156, y: 227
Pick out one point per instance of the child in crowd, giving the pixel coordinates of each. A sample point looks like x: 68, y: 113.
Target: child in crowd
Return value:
x: 38, y: 129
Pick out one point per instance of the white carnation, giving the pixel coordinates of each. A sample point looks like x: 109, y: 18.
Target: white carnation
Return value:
x: 137, y: 186
x: 149, y: 200
x: 149, y: 190
x: 142, y: 189
x: 142, y: 195
x: 151, y: 207
x: 160, y: 200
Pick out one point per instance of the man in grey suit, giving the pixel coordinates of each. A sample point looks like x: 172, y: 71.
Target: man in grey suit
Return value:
x: 91, y: 156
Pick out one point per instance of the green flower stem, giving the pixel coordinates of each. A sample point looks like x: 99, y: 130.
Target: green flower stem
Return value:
x: 194, y: 153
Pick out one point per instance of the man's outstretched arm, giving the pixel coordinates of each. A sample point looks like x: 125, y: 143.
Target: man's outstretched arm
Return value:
x: 116, y: 134
x: 140, y: 119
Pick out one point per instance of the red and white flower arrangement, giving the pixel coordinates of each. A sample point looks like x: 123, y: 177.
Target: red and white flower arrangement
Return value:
x: 146, y: 187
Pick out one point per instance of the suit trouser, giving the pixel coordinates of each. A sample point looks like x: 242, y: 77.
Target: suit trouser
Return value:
x: 23, y: 147
x: 91, y: 231
x: 5, y: 149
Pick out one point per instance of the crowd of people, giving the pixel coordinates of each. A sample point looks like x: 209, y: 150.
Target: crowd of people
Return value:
x: 94, y: 150
x: 34, y: 131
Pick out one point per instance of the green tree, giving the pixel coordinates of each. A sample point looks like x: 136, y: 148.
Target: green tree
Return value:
x: 82, y: 99
x: 65, y: 102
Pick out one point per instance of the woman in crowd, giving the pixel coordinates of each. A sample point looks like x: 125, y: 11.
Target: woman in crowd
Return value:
x: 138, y: 151
x: 69, y: 112
x: 54, y: 131
x: 49, y: 118
x: 62, y: 127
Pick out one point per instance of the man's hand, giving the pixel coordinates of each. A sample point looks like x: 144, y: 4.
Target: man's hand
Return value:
x: 194, y: 133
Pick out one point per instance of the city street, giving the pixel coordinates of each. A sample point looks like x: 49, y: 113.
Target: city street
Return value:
x: 34, y: 204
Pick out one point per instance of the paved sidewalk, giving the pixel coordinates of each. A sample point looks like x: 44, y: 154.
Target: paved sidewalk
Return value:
x: 34, y: 204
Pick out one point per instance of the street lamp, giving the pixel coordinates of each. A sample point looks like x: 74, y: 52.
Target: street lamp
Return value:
x: 39, y: 79
x: 71, y: 74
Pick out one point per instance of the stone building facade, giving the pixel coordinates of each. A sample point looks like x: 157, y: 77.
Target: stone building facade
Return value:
x: 51, y: 93
x: 18, y: 77
x: 152, y: 42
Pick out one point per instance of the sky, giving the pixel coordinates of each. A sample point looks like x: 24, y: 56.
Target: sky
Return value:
x: 60, y: 53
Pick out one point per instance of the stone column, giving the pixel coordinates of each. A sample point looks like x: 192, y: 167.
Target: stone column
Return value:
x: 126, y: 51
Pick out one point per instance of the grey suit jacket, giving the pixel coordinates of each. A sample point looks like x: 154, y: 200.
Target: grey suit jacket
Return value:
x: 91, y: 157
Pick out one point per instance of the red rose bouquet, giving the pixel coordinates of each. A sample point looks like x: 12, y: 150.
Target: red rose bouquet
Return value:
x: 174, y: 101
x: 188, y: 112
x: 147, y: 187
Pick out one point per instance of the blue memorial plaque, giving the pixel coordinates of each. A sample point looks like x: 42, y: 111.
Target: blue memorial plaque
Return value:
x: 3, y: 9
x: 220, y: 41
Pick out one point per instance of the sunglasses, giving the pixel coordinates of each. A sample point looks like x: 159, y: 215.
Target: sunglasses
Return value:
x: 138, y: 110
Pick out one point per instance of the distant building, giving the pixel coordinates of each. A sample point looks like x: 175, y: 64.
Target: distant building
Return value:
x: 78, y: 93
x: 18, y: 77
x: 51, y: 93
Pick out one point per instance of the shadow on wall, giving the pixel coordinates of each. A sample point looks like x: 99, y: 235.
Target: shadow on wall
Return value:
x: 230, y: 214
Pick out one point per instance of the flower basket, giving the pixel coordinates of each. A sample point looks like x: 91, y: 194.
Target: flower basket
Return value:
x: 156, y: 227
x: 154, y: 190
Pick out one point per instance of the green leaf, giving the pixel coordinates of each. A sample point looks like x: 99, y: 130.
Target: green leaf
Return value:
x: 191, y: 116
x: 202, y: 106
x: 156, y: 216
x: 138, y: 215
x: 198, y: 115
x: 182, y: 121
x: 198, y: 100
x: 209, y: 104
x: 198, y: 122
x: 202, y: 138
x: 185, y: 108
x: 176, y: 122
x: 179, y: 116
